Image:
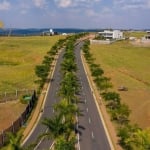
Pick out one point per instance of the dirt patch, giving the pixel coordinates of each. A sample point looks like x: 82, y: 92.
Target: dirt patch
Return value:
x: 139, y: 42
x: 9, y: 112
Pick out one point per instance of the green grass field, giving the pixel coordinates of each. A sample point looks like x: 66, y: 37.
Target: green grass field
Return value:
x: 18, y: 58
x: 128, y: 65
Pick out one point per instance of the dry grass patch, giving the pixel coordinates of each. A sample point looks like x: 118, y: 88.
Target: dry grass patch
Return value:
x: 18, y: 58
x: 128, y: 66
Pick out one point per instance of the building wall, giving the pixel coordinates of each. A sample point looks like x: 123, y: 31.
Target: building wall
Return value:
x: 116, y: 34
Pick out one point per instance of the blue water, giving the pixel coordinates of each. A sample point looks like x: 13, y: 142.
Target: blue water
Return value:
x: 28, y: 32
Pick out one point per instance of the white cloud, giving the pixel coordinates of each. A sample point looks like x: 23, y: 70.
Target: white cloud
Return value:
x: 39, y: 3
x: 5, y: 5
x: 74, y: 3
x: 132, y: 4
x: 64, y: 3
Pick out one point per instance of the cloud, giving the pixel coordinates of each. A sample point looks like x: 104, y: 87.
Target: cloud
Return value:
x: 74, y: 3
x: 132, y: 4
x: 5, y: 5
x: 39, y: 3
x: 64, y: 3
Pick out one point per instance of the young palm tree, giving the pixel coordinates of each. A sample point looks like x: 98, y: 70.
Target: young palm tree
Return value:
x: 14, y: 141
x: 63, y: 144
x: 67, y: 111
x: 55, y: 127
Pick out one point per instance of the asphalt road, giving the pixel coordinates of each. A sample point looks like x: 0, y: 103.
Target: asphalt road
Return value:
x: 92, y: 135
x: 48, y: 111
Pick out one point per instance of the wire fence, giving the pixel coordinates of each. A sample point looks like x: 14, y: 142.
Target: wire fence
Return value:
x: 19, y: 122
x: 14, y: 95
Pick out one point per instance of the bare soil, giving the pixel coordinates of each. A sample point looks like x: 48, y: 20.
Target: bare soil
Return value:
x: 9, y: 112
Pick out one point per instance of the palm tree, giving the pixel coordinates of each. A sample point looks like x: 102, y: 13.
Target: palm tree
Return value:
x: 14, y: 141
x: 69, y: 87
x: 63, y: 144
x: 67, y: 111
x: 68, y: 65
x: 55, y: 127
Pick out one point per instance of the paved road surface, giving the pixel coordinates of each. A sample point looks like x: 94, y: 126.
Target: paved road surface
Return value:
x: 48, y: 109
x: 92, y: 133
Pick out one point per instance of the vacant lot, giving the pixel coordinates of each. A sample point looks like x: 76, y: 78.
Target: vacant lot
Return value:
x: 128, y: 66
x: 18, y: 58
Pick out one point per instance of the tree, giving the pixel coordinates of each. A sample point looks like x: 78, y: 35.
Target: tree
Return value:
x: 69, y: 87
x: 55, y: 127
x: 121, y: 114
x: 141, y: 139
x: 113, y: 99
x: 68, y: 65
x: 14, y: 141
x: 126, y: 133
x: 96, y: 70
x: 66, y: 110
x: 47, y: 60
x: 63, y: 144
x: 103, y: 83
x: 42, y: 72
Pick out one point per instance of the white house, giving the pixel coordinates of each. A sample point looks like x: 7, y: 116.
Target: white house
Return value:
x: 115, y: 34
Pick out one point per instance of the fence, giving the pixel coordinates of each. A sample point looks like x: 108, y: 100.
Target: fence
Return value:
x: 14, y: 95
x: 101, y: 41
x: 15, y: 126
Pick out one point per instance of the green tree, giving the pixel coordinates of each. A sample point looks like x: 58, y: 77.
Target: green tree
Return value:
x: 113, y: 99
x: 63, y: 144
x: 68, y: 65
x: 14, y: 141
x: 69, y: 87
x: 121, y: 114
x: 125, y: 134
x: 67, y: 111
x: 55, y: 127
x: 140, y: 139
x: 42, y: 72
x: 103, y: 83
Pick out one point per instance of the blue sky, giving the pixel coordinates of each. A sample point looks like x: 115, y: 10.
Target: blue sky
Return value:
x: 75, y: 13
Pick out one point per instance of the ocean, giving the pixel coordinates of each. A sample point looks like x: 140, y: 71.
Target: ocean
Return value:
x: 32, y: 31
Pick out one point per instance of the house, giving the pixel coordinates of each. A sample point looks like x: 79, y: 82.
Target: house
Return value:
x: 147, y: 37
x: 114, y: 34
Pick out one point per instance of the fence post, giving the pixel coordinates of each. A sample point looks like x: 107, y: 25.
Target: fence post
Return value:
x: 12, y: 126
x: 2, y: 137
x: 16, y: 93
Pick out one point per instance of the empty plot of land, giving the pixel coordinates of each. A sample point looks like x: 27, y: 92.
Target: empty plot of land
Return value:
x: 18, y: 58
x: 128, y: 65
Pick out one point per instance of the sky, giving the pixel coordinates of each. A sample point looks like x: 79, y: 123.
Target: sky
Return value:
x: 87, y: 14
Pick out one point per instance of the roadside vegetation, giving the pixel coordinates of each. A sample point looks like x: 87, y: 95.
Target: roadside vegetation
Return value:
x: 127, y: 65
x: 61, y: 127
x: 131, y: 136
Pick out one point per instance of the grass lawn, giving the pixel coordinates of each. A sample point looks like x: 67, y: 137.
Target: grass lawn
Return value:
x: 18, y: 58
x: 128, y: 65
